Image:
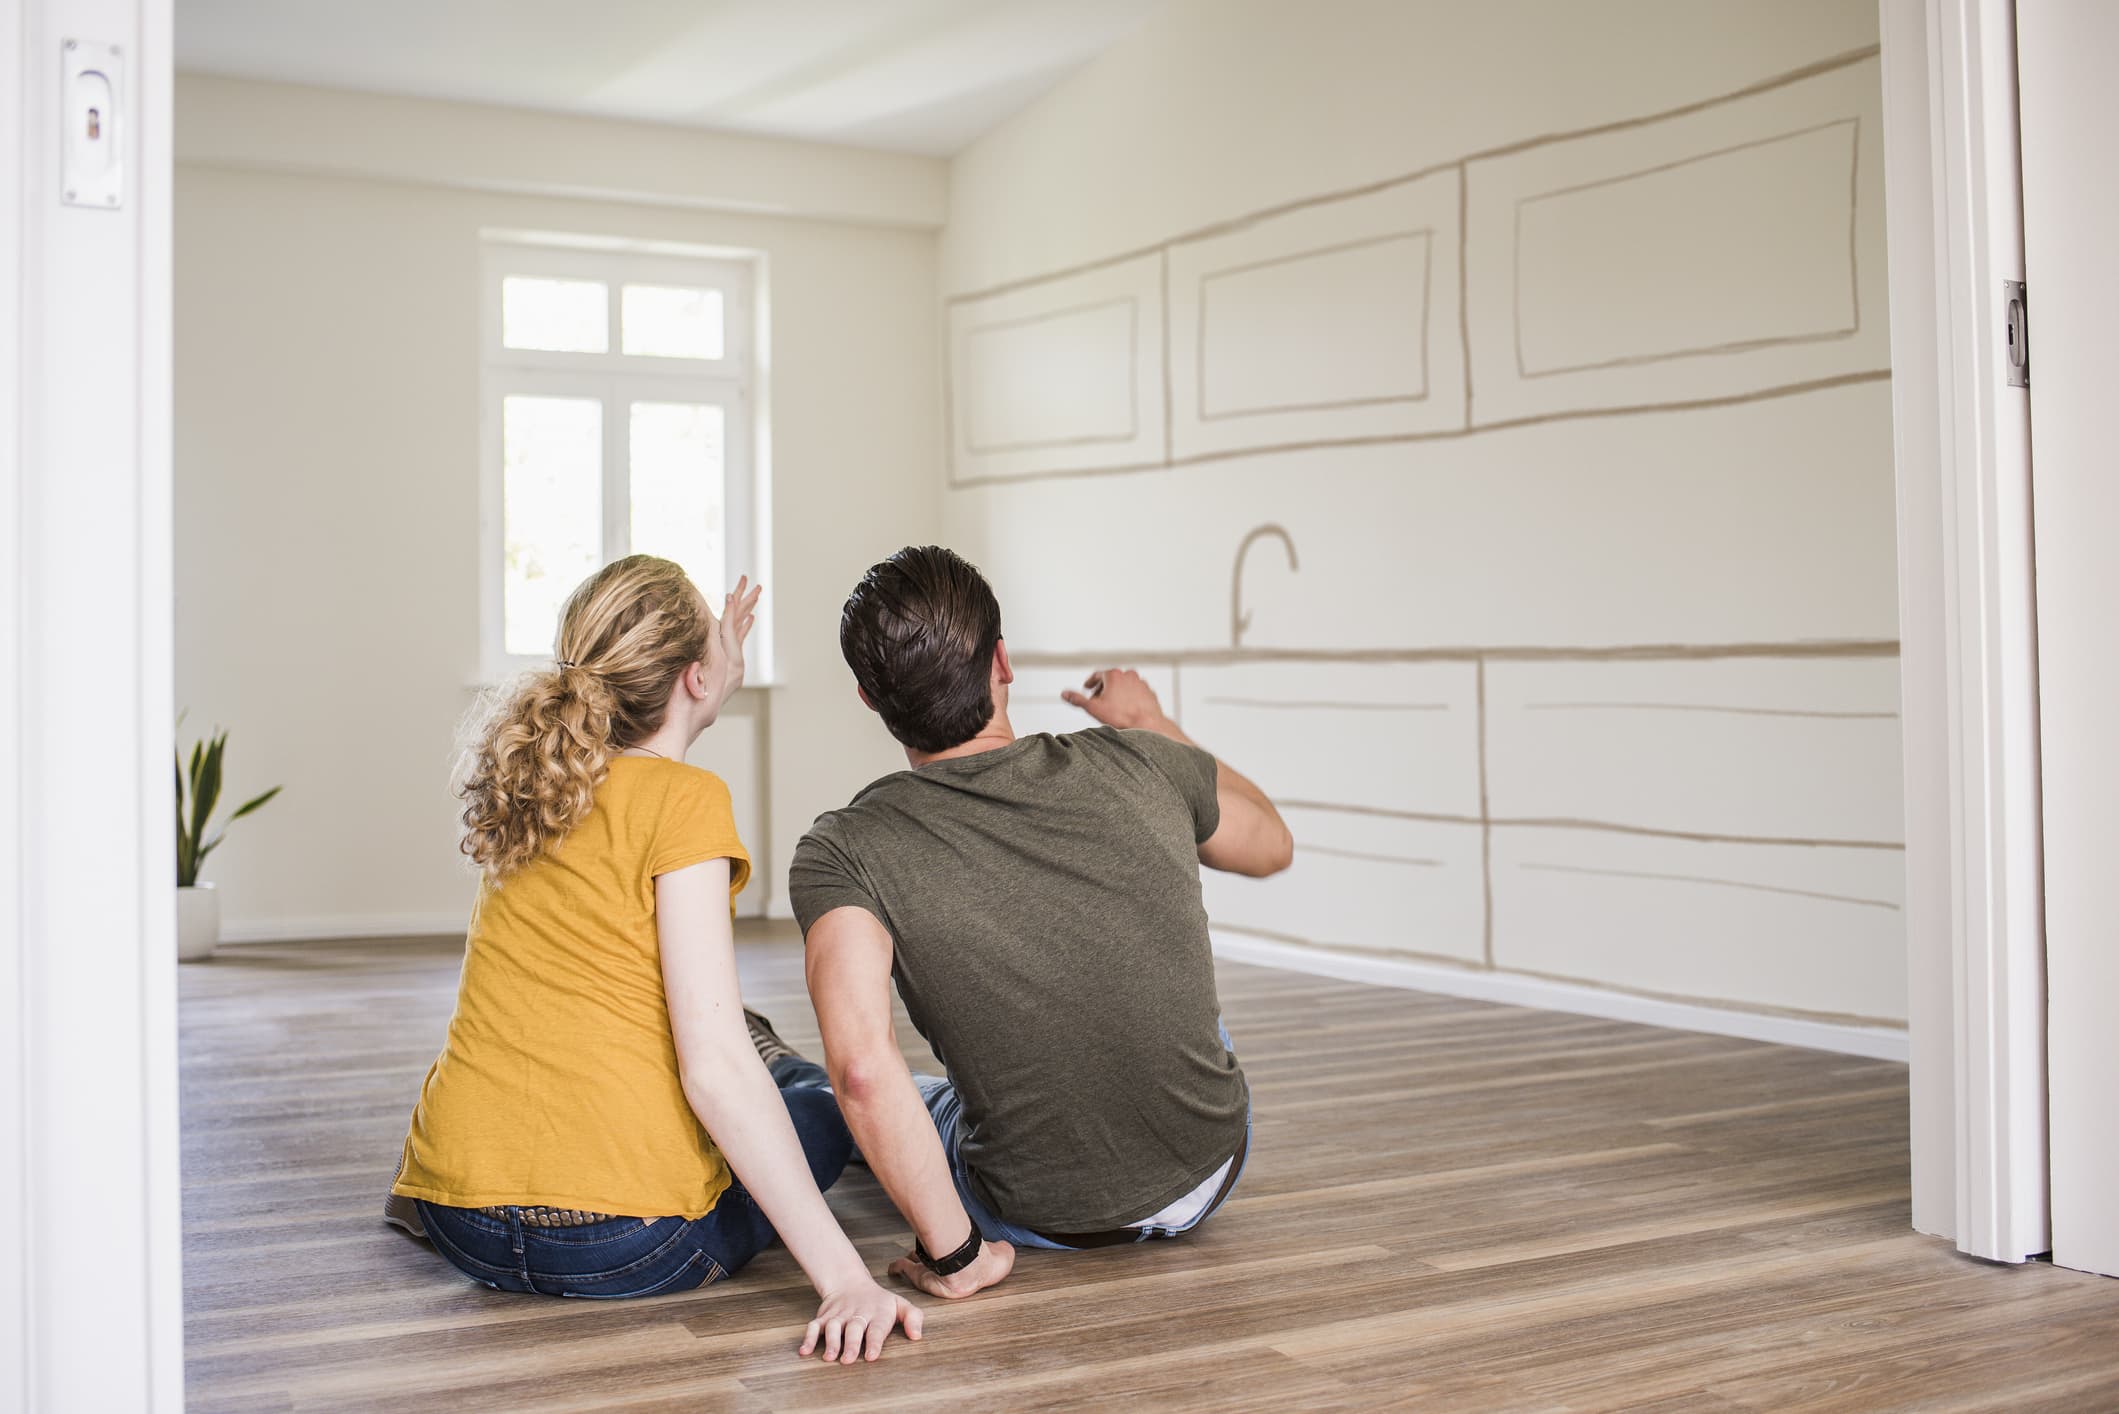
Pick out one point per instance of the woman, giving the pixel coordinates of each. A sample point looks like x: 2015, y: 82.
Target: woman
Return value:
x: 577, y: 1134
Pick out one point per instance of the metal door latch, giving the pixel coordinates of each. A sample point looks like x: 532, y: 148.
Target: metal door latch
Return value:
x: 2015, y: 317
x: 91, y: 86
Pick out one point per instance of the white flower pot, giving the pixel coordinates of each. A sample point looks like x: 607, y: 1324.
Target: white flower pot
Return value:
x: 198, y: 922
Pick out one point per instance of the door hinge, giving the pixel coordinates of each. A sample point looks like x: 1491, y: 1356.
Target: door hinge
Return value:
x: 2016, y: 325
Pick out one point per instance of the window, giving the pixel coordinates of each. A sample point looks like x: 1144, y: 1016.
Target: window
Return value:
x: 618, y: 419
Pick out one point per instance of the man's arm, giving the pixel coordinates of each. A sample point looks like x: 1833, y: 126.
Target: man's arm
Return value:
x: 847, y: 963
x: 1252, y: 838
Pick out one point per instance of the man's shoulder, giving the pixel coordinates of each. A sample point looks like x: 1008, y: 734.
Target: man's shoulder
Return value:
x: 852, y: 819
x: 1137, y: 744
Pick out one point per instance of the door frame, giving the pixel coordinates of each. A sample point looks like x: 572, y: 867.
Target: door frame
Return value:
x: 89, y: 943
x: 91, y: 1313
x: 1974, y: 915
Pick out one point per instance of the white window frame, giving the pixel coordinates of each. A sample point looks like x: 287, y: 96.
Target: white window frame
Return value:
x: 617, y: 380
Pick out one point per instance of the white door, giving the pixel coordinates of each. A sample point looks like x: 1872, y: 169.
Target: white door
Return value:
x: 2068, y: 67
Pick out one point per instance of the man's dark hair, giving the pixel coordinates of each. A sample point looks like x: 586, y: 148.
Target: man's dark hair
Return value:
x: 919, y: 632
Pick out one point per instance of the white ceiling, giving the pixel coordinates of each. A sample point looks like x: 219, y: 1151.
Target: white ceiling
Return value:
x: 924, y: 76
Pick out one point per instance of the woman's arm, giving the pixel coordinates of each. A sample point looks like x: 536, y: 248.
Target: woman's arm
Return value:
x: 735, y: 1098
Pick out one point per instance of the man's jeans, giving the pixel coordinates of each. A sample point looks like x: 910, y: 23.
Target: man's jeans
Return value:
x: 643, y: 1256
x: 947, y: 1110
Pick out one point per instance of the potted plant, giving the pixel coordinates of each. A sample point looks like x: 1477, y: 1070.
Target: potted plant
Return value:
x: 198, y: 906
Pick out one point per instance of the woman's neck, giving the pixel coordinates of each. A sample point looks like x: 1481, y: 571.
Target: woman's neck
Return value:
x: 670, y: 741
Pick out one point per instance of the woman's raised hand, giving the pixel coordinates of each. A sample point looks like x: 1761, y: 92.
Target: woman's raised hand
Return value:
x: 738, y: 612
x: 853, y: 1324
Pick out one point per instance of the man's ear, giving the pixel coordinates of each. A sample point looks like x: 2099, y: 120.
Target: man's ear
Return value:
x: 1003, y: 670
x: 863, y: 695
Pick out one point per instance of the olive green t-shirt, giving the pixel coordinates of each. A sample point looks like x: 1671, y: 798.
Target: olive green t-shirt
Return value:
x: 1052, y: 948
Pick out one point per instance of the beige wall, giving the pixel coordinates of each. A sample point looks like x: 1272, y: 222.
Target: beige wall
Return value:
x: 1552, y: 338
x: 327, y: 373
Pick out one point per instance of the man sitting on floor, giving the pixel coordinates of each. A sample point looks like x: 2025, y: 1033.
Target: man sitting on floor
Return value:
x: 1038, y: 901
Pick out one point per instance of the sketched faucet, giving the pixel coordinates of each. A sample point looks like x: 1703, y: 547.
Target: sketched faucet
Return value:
x: 1240, y: 617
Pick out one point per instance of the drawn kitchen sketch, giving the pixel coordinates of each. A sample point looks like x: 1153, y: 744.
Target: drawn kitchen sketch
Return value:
x: 1515, y: 522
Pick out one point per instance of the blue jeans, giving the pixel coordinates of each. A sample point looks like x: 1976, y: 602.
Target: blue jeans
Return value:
x: 643, y: 1256
x: 947, y: 1110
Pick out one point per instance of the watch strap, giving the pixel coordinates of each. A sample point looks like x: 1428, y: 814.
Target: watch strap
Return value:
x: 953, y: 1262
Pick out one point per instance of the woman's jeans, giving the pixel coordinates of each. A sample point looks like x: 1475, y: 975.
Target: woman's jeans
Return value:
x: 643, y: 1256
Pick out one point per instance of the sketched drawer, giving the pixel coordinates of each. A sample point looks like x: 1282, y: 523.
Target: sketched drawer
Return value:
x: 1718, y: 252
x: 1787, y: 749
x: 1333, y: 322
x: 1366, y: 882
x: 1401, y: 737
x: 1061, y: 373
x: 1806, y: 928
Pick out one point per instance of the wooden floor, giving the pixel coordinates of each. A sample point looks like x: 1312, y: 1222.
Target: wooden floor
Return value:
x: 1450, y: 1205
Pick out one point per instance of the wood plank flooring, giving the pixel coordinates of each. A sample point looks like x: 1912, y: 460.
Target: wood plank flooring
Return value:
x: 1450, y: 1205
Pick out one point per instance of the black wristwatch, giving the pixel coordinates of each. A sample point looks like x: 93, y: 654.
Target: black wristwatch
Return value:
x: 956, y: 1261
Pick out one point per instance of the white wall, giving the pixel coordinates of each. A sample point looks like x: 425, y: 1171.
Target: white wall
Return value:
x: 1481, y: 415
x: 327, y: 367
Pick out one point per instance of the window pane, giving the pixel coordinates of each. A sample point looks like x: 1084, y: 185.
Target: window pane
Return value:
x: 564, y: 316
x: 552, y: 511
x: 677, y: 490
x: 665, y: 322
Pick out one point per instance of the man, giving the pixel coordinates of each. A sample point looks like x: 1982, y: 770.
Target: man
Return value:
x: 1038, y: 902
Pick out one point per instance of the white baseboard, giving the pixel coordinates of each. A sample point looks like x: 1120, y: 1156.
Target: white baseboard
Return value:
x: 345, y: 925
x: 1514, y: 989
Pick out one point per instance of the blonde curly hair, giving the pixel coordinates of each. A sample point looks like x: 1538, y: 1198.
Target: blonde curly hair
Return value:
x: 536, y: 750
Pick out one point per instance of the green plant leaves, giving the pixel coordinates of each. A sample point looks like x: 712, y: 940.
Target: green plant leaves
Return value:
x: 203, y: 779
x: 249, y: 805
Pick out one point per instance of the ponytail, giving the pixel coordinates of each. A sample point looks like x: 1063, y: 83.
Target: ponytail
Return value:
x: 537, y: 750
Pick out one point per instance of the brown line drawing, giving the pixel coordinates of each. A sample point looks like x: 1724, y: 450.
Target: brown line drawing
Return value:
x: 1607, y: 653
x: 1730, y: 347
x: 1599, y: 826
x: 1169, y: 445
x: 1854, y: 227
x: 1830, y: 1018
x: 1339, y: 853
x: 1238, y: 223
x: 1462, y: 164
x: 1132, y: 433
x: 1425, y: 235
x: 1285, y: 702
x: 1756, y: 395
x: 1239, y: 619
x: 1486, y: 827
x: 1718, y: 883
x: 951, y: 403
x: 1705, y: 707
x: 1464, y: 285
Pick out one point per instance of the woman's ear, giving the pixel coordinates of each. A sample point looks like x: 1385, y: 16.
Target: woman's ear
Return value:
x: 694, y: 679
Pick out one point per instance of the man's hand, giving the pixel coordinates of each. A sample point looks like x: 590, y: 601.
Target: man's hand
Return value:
x: 1118, y: 697
x: 995, y: 1261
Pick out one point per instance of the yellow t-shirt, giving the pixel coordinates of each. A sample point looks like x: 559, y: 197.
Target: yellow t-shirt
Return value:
x: 558, y: 1083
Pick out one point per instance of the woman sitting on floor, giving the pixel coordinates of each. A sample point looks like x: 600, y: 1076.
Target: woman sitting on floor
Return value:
x: 576, y: 1135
